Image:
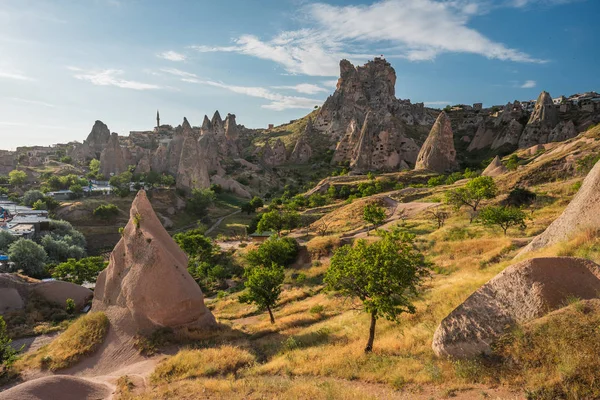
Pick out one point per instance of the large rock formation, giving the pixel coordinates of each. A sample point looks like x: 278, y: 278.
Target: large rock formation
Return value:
x: 541, y: 123
x: 437, y: 153
x: 274, y: 156
x: 146, y: 284
x: 192, y: 172
x: 92, y: 147
x: 112, y: 159
x: 370, y: 90
x: 302, y: 151
x: 521, y: 293
x: 8, y: 161
x: 496, y: 168
x: 582, y: 212
x: 232, y: 186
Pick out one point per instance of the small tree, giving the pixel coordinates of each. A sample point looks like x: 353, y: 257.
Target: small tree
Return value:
x: 504, y: 217
x: 17, y: 178
x: 439, y: 215
x: 79, y: 271
x: 8, y: 355
x: 373, y: 214
x: 28, y: 256
x: 6, y: 238
x: 256, y: 202
x: 31, y: 196
x: 472, y: 194
x: 279, y: 251
x: 264, y: 287
x: 199, y: 202
x: 121, y: 182
x: 278, y: 221
x: 383, y: 275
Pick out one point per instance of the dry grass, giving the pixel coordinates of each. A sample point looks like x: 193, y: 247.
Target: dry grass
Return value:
x: 349, y: 217
x: 189, y: 364
x: 82, y: 338
x: 322, y: 246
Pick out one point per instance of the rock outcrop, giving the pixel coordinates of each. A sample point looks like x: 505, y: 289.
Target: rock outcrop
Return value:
x: 541, y: 123
x: 8, y: 161
x: 496, y: 168
x: 369, y: 90
x: 232, y: 186
x: 92, y: 147
x: 583, y: 212
x: 112, y: 159
x: 302, y: 151
x: 146, y: 284
x: 437, y: 153
x: 521, y: 293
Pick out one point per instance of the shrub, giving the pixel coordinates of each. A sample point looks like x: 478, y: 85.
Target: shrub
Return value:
x: 28, y: 256
x: 79, y: 271
x: 519, y: 196
x: 32, y: 196
x: 504, y: 217
x: 70, y: 306
x: 317, y: 309
x: 106, y: 211
x: 8, y: 355
x: 281, y: 251
x: 17, y: 178
x: 5, y: 240
x: 199, y: 202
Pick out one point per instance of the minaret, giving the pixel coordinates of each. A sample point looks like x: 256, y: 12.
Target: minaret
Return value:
x: 157, y: 120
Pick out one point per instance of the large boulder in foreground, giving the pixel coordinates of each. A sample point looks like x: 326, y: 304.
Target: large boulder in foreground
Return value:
x: 583, y: 212
x: 146, y: 284
x: 438, y: 153
x: 521, y: 293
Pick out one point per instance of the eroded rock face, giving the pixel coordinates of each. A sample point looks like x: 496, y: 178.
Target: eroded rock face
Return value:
x: 541, y: 123
x: 438, y: 153
x: 563, y: 131
x: 302, y: 151
x: 112, y: 159
x: 496, y: 168
x: 146, y: 284
x: 364, y: 90
x: 8, y: 161
x: 521, y: 293
x: 232, y: 185
x: 192, y: 171
x: 583, y: 212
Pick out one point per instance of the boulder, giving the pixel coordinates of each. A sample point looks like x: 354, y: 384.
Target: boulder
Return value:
x: 583, y: 212
x: 146, y: 284
x: 58, y: 292
x: 495, y: 168
x: 437, y: 153
x: 61, y: 387
x: 521, y: 293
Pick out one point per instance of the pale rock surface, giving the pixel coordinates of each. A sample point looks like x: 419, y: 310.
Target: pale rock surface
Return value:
x: 112, y: 159
x: 192, y: 172
x: 496, y: 168
x: 146, y: 284
x: 232, y: 185
x: 58, y: 292
x: 521, y: 293
x: 438, y: 153
x: 542, y: 121
x: 583, y: 212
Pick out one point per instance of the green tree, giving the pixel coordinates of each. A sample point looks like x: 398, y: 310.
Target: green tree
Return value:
x: 472, y: 194
x: 17, y: 178
x: 66, y: 160
x: 195, y: 244
x: 199, y: 202
x: 264, y: 286
x: 106, y: 211
x: 121, y: 182
x: 79, y: 271
x: 5, y: 240
x: 28, y: 256
x: 257, y: 202
x: 77, y: 190
x: 31, y: 196
x: 280, y: 251
x: 8, y: 355
x: 513, y: 162
x: 384, y: 276
x: 39, y: 205
x: 167, y: 180
x: 277, y: 221
x: 317, y: 200
x: 94, y: 169
x: 504, y: 217
x: 373, y: 214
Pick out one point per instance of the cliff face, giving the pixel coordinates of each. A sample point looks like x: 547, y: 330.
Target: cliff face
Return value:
x: 541, y: 123
x: 112, y: 159
x: 381, y: 141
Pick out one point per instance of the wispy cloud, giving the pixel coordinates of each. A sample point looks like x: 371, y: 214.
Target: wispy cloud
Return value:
x: 15, y: 75
x: 172, y: 56
x: 330, y: 83
x: 110, y: 77
x: 178, y: 72
x: 278, y: 102
x: 33, y: 102
x: 528, y: 84
x: 437, y: 103
x: 306, y: 88
x: 416, y: 30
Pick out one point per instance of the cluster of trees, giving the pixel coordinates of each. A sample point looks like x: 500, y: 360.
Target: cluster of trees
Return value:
x: 79, y: 271
x: 37, y: 200
x: 208, y: 265
x: 198, y: 202
x: 253, y: 205
x: 36, y: 258
x: 71, y: 182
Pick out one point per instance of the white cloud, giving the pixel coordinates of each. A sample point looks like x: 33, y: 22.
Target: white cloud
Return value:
x: 332, y: 83
x: 33, y: 102
x: 178, y: 72
x: 15, y: 75
x: 437, y: 103
x: 306, y: 88
x: 528, y: 84
x: 278, y: 102
x: 416, y: 30
x: 172, y: 56
x: 109, y: 77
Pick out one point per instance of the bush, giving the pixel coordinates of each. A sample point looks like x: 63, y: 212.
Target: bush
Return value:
x: 17, y: 178
x: 28, y: 256
x: 5, y: 240
x: 281, y: 251
x: 519, y: 197
x: 106, y: 211
x: 8, y: 355
x: 60, y: 249
x: 199, y: 202
x: 79, y: 271
x: 31, y: 196
x: 70, y: 307
x: 436, y: 181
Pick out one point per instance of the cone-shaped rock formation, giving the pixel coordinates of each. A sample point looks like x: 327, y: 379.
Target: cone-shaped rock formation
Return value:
x: 437, y: 153
x: 146, y: 284
x: 495, y: 168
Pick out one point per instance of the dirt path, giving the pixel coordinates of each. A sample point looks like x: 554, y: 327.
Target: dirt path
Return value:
x: 218, y: 222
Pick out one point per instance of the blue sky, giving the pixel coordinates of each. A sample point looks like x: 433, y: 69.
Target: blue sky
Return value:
x: 66, y: 63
